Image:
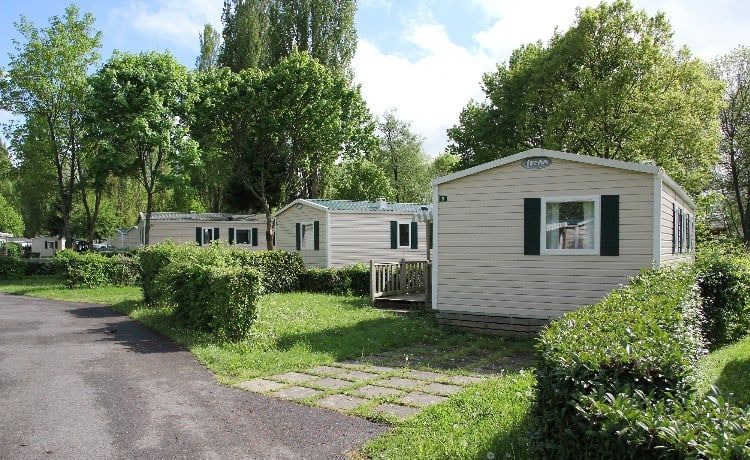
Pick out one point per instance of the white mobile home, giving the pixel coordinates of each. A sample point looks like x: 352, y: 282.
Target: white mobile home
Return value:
x: 46, y: 246
x: 526, y: 238
x: 337, y: 233
x: 247, y: 231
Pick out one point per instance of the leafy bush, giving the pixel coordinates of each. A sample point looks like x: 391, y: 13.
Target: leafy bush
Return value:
x: 217, y: 299
x: 280, y: 269
x: 43, y: 267
x: 14, y: 250
x: 92, y: 270
x: 11, y: 267
x: 724, y: 279
x: 353, y: 280
x: 635, y: 425
x: 646, y: 336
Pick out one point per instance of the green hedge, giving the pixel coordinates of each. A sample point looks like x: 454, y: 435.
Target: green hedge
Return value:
x: 217, y: 299
x: 646, y: 336
x: 42, y: 267
x: 11, y: 267
x: 280, y: 269
x: 724, y: 279
x: 86, y: 270
x: 352, y: 280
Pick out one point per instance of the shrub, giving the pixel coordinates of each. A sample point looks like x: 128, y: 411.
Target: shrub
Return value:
x: 352, y: 280
x: 724, y: 279
x: 43, y: 267
x: 217, y: 299
x: 14, y: 250
x: 92, y: 270
x: 11, y: 267
x: 646, y: 336
x: 280, y: 269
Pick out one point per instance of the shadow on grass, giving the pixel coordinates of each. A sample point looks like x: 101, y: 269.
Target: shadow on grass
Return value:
x: 735, y: 379
x: 515, y: 441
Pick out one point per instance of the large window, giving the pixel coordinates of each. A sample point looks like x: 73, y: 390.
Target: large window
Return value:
x: 570, y: 225
x: 308, y: 235
x: 243, y: 236
x: 404, y: 237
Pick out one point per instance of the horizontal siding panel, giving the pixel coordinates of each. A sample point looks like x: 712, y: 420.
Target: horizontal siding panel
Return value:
x: 286, y: 233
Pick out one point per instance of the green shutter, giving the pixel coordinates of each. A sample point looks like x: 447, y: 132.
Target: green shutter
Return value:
x: 216, y: 234
x: 430, y: 234
x: 299, y: 237
x: 610, y: 227
x: 414, y: 236
x: 316, y: 235
x: 199, y: 236
x: 231, y: 236
x: 674, y: 229
x: 532, y: 223
x: 394, y: 234
x: 254, y: 240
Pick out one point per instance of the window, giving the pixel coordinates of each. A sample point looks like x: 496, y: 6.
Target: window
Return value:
x: 570, y: 225
x: 208, y: 235
x: 308, y: 235
x: 404, y: 239
x: 243, y: 237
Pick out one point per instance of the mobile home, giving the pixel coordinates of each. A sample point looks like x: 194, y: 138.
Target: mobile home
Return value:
x: 247, y: 231
x: 526, y: 238
x: 337, y: 233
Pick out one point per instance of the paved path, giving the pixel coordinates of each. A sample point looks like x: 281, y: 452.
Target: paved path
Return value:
x: 81, y: 381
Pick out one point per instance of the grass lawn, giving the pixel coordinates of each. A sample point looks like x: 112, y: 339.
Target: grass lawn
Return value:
x: 299, y: 330
x: 728, y: 369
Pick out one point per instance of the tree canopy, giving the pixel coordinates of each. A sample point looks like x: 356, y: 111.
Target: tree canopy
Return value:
x: 611, y: 86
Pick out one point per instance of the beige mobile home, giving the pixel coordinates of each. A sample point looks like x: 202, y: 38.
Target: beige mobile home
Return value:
x: 337, y: 233
x: 526, y: 238
x: 47, y: 246
x: 247, y: 231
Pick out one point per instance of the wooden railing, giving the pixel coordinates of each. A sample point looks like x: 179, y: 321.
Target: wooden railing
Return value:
x: 391, y: 278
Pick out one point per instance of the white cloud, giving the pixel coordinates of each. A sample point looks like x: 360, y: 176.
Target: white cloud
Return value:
x: 175, y: 21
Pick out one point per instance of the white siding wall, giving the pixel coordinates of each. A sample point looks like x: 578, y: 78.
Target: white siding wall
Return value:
x: 360, y: 237
x: 184, y: 231
x: 286, y: 228
x: 668, y: 197
x: 481, y: 264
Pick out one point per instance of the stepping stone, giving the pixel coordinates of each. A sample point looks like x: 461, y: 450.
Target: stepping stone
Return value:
x: 331, y: 383
x: 378, y: 369
x: 357, y: 375
x: 424, y: 375
x: 296, y: 393
x: 260, y: 385
x: 347, y: 365
x: 398, y: 382
x: 374, y: 391
x: 293, y: 377
x: 396, y: 410
x: 340, y: 402
x: 463, y: 379
x: 327, y: 370
x: 418, y: 399
x: 442, y: 388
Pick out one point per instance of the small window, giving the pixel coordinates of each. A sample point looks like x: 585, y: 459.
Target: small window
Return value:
x: 404, y: 237
x: 570, y: 225
x: 208, y: 235
x: 308, y: 235
x: 243, y: 236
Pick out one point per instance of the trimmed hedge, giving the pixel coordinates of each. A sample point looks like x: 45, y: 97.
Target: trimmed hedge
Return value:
x: 724, y: 279
x: 218, y: 299
x: 42, y: 267
x: 280, y: 269
x: 11, y: 268
x: 646, y: 336
x: 352, y: 280
x: 86, y: 270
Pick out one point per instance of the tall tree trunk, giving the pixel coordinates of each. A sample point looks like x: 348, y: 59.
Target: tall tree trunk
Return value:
x: 149, y: 208
x: 269, y: 225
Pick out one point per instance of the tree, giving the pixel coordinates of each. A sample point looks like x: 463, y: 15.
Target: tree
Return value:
x: 443, y: 164
x: 734, y: 149
x: 261, y: 33
x: 245, y: 34
x: 401, y: 157
x: 611, y: 86
x: 10, y: 219
x: 7, y: 172
x: 141, y: 102
x: 361, y: 179
x: 210, y: 46
x: 47, y: 80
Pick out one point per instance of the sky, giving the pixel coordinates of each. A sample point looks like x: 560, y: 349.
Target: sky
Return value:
x: 422, y: 58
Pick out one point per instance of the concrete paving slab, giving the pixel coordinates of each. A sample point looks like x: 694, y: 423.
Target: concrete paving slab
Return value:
x: 442, y: 388
x: 261, y: 385
x: 331, y: 383
x: 418, y: 399
x: 425, y: 375
x: 398, y: 382
x: 295, y: 393
x: 463, y: 379
x: 292, y: 377
x: 379, y: 369
x: 397, y: 410
x: 340, y: 402
x: 374, y: 391
x: 357, y: 376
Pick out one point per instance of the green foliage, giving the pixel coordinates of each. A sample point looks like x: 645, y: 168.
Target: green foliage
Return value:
x: 611, y: 86
x: 724, y: 279
x: 352, y: 280
x: 13, y: 250
x: 646, y: 336
x: 280, y: 270
x: 210, y: 46
x: 213, y: 298
x: 11, y: 268
x: 727, y: 369
x: 10, y: 220
x: 87, y: 270
x: 360, y: 179
x: 43, y: 267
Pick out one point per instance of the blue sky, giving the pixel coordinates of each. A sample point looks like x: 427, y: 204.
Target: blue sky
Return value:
x: 423, y: 58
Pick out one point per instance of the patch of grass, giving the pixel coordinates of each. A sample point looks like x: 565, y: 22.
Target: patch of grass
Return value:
x: 54, y: 288
x: 489, y: 420
x: 728, y: 369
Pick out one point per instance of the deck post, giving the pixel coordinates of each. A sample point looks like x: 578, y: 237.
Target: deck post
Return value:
x: 402, y: 276
x: 373, y: 284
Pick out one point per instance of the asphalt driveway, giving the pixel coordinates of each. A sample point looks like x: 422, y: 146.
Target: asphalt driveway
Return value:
x: 82, y: 381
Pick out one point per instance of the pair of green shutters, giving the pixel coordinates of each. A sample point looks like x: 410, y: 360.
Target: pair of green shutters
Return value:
x: 199, y: 235
x: 316, y: 236
x: 609, y: 242
x: 682, y: 229
x: 413, y: 235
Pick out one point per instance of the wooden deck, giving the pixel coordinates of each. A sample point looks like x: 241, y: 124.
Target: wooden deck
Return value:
x: 405, y: 302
